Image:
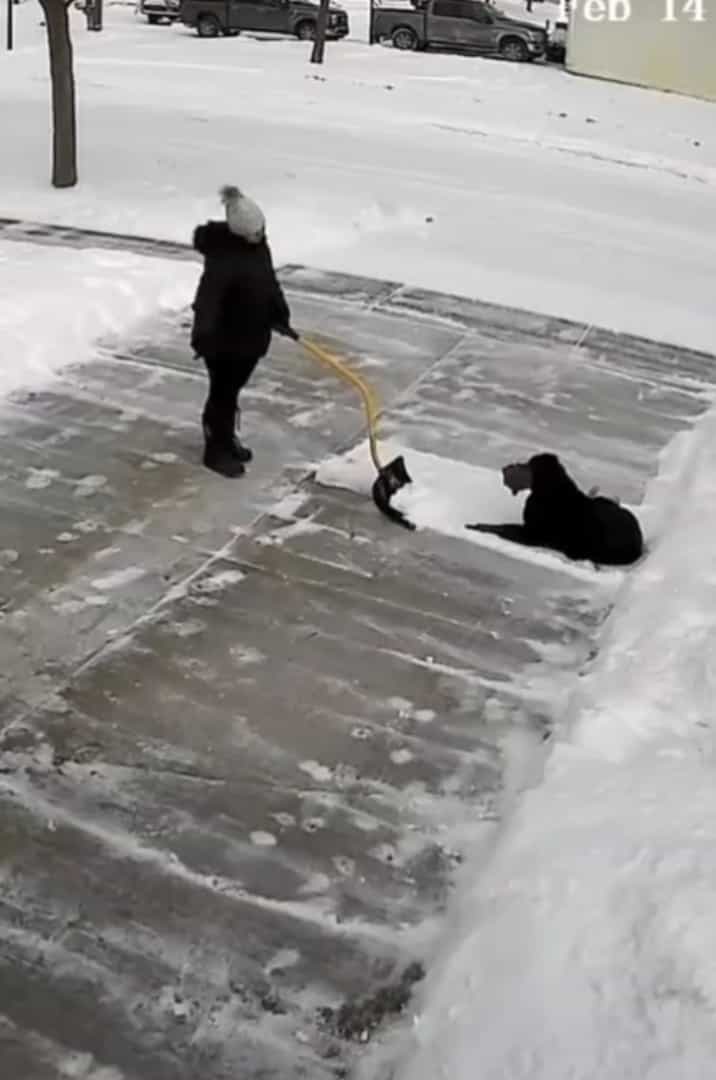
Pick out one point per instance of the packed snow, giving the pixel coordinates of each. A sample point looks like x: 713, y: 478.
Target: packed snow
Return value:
x: 580, y: 949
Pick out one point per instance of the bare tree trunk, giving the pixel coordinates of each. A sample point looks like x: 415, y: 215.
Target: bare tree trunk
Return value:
x: 64, y: 119
x: 9, y: 27
x: 319, y: 44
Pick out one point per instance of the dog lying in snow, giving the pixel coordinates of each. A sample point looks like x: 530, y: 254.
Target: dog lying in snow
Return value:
x: 559, y: 516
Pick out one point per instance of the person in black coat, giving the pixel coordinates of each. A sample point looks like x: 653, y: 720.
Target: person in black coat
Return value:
x: 559, y: 516
x: 238, y: 303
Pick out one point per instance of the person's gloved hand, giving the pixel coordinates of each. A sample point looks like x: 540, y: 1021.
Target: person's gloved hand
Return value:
x: 287, y: 331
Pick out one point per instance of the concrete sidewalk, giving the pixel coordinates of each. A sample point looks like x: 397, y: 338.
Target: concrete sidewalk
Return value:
x: 238, y: 720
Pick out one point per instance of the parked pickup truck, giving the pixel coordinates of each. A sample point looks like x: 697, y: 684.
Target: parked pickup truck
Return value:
x: 470, y: 26
x: 296, y: 18
x: 157, y: 11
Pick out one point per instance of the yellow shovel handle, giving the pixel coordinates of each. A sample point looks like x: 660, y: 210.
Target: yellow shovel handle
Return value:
x: 370, y: 401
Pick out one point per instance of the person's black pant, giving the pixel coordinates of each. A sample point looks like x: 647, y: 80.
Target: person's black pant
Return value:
x: 228, y: 374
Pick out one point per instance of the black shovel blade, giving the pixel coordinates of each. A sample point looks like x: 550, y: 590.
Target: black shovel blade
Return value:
x: 391, y: 478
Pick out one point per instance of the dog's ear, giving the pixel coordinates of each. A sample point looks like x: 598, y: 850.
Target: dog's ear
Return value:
x: 547, y: 470
x: 545, y: 462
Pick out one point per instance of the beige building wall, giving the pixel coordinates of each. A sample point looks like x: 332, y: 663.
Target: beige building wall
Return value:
x: 644, y: 49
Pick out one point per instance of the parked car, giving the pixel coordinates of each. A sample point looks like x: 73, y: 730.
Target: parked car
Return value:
x: 469, y: 26
x: 297, y: 18
x: 156, y: 11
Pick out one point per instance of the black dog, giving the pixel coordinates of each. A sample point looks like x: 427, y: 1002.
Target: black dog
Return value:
x: 559, y: 516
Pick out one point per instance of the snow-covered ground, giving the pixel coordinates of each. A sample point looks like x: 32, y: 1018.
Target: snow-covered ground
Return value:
x: 582, y: 947
x: 519, y: 184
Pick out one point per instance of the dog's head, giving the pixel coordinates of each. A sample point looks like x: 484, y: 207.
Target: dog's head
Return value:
x: 542, y: 472
x: 517, y: 477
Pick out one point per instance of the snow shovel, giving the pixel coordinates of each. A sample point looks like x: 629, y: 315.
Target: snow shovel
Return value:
x: 391, y: 477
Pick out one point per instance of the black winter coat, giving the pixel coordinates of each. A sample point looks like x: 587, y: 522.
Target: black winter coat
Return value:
x: 239, y: 299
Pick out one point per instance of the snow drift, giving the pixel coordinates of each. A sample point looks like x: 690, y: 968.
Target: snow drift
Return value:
x: 582, y: 950
x: 54, y: 309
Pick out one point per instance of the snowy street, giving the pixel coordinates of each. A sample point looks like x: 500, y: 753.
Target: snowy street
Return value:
x: 260, y: 749
x: 544, y: 191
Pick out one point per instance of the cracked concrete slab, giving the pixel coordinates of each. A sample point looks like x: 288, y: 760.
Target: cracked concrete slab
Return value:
x: 241, y: 723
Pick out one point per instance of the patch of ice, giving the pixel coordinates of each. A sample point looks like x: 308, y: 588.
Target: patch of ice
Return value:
x: 81, y: 1066
x: 40, y: 478
x: 289, y: 505
x: 135, y: 527
x: 246, y: 654
x: 320, y: 773
x: 118, y: 578
x: 401, y: 705
x: 309, y: 418
x: 263, y: 839
x: 89, y: 485
x: 187, y: 627
x: 279, y: 536
x: 74, y: 606
x: 284, y: 958
x: 401, y: 757
x: 316, y: 883
x: 105, y: 553
x: 218, y: 581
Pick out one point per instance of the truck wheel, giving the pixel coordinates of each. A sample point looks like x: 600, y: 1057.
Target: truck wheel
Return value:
x: 514, y: 48
x: 306, y: 30
x: 404, y: 39
x: 152, y: 20
x: 208, y: 26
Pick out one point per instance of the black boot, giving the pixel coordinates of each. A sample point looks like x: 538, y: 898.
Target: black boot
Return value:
x: 222, y: 460
x: 240, y: 452
x: 219, y: 453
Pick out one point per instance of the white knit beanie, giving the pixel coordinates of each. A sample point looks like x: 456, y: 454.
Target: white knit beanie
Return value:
x: 243, y: 216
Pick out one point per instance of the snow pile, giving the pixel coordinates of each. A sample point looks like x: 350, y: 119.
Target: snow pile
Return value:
x: 436, y: 498
x: 447, y: 494
x: 583, y: 949
x: 56, y: 303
